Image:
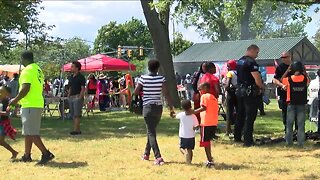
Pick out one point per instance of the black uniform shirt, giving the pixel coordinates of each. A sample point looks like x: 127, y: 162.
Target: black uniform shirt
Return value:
x: 245, y: 66
x: 280, y: 70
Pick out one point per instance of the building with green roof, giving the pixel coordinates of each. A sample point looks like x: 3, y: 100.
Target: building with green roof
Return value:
x: 270, y: 50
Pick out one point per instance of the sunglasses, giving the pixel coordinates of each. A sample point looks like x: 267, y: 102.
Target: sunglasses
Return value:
x: 285, y: 57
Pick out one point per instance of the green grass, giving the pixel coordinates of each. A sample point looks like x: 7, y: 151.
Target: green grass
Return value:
x: 106, y: 152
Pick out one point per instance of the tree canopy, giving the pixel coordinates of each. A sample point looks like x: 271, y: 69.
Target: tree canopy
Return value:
x: 21, y: 17
x: 317, y: 39
x: 222, y: 20
x: 178, y: 45
x: 130, y: 33
x: 50, y: 55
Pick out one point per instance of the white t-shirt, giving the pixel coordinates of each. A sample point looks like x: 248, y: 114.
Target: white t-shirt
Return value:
x: 187, y: 123
x: 313, y: 90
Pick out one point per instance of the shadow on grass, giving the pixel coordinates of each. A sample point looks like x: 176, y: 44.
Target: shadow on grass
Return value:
x: 66, y: 165
x: 184, y: 163
x: 120, y: 124
x: 310, y: 176
x: 317, y: 155
x: 217, y: 166
x: 224, y: 166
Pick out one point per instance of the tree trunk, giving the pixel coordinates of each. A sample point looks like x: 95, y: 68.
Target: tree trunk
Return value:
x: 245, y: 20
x: 224, y: 32
x: 160, y: 36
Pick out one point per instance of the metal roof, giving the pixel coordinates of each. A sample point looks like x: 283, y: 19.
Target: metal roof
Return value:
x: 270, y: 49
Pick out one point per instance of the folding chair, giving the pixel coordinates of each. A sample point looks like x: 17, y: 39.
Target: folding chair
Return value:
x: 47, y: 109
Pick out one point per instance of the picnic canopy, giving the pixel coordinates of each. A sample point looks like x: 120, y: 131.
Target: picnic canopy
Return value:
x: 9, y: 69
x: 101, y: 62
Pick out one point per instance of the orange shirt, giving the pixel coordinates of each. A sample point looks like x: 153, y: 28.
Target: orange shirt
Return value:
x: 298, y: 78
x: 210, y: 116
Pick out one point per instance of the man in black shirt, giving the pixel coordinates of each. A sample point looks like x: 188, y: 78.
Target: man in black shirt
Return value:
x: 248, y: 93
x: 76, y: 96
x: 282, y: 71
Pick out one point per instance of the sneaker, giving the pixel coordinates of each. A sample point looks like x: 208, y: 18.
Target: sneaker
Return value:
x: 14, y: 156
x: 262, y: 114
x: 248, y: 144
x: 75, y: 133
x: 158, y: 161
x: 24, y: 159
x: 45, y: 158
x: 145, y: 157
x: 209, y: 164
x: 215, y: 137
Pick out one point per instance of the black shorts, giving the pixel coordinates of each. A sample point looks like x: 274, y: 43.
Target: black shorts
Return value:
x: 207, y: 134
x: 187, y: 143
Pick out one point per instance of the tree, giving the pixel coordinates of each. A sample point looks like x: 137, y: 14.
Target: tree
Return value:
x: 317, y: 39
x: 21, y: 16
x: 131, y: 33
x: 179, y: 44
x: 50, y: 55
x: 140, y: 67
x: 223, y: 20
x: 76, y: 48
x: 157, y: 16
x: 158, y: 24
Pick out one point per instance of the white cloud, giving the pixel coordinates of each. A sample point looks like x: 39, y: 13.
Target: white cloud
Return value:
x: 65, y: 17
x: 84, y: 18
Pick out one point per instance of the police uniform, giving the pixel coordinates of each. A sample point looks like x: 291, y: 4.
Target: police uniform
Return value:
x: 280, y: 70
x: 248, y: 99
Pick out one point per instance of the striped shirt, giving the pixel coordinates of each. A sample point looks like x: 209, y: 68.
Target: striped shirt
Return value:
x: 152, y: 88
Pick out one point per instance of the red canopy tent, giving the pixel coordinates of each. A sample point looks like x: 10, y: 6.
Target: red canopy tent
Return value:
x: 101, y: 62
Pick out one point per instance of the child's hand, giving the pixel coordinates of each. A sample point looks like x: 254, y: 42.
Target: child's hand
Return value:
x: 172, y: 114
x: 8, y: 109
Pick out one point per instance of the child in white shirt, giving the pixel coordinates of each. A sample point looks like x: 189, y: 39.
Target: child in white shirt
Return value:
x: 188, y: 123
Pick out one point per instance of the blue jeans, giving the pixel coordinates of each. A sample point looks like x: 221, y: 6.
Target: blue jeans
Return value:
x: 296, y: 112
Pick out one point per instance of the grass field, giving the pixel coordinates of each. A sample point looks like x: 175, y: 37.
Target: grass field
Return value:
x: 106, y: 152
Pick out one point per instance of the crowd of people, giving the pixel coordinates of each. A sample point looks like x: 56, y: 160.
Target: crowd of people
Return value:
x: 242, y: 86
x: 106, y: 92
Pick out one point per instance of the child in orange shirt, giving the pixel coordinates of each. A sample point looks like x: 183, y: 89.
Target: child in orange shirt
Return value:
x: 209, y: 119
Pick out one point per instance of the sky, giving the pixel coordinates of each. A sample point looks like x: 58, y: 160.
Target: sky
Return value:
x: 84, y: 18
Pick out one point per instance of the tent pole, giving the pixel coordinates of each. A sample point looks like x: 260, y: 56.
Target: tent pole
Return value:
x: 61, y: 92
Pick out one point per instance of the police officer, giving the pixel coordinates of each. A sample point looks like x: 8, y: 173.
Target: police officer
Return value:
x: 248, y: 93
x: 282, y: 71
